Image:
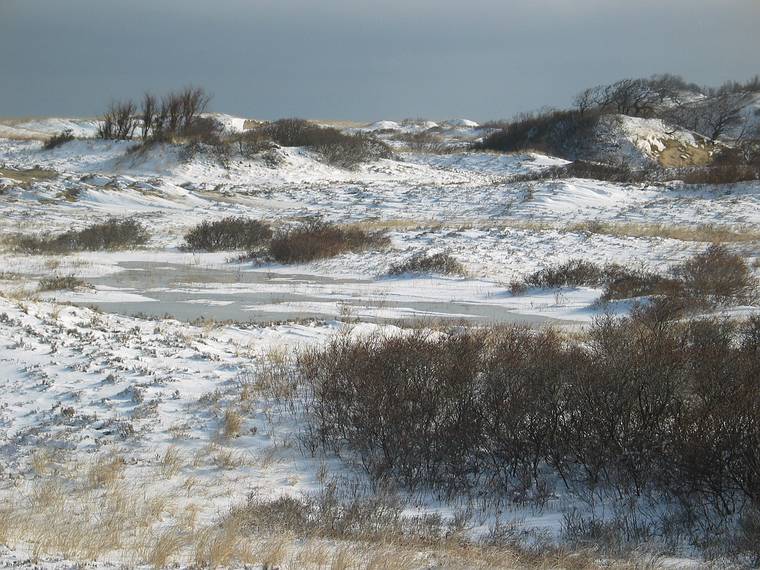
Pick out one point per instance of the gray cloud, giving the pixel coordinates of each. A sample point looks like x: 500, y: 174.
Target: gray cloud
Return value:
x: 361, y: 59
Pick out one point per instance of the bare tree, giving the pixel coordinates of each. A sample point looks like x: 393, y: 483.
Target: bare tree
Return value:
x: 733, y: 87
x: 118, y: 122
x: 636, y: 97
x: 724, y: 113
x: 171, y: 109
x: 672, y: 87
x: 585, y: 100
x: 106, y: 126
x: 148, y: 114
x: 748, y: 142
x: 160, y: 120
x: 125, y: 120
x: 713, y: 116
x: 631, y: 97
x: 173, y: 115
x: 193, y: 102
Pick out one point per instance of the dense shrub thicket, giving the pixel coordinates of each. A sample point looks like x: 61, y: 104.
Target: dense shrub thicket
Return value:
x: 728, y: 170
x: 428, y: 141
x: 559, y: 133
x: 300, y: 132
x: 319, y: 240
x: 644, y: 408
x: 334, y: 146
x: 112, y: 234
x: 716, y: 274
x: 713, y: 277
x: 231, y: 233
x: 618, y: 282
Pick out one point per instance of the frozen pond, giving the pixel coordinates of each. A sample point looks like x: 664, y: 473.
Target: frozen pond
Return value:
x: 191, y: 293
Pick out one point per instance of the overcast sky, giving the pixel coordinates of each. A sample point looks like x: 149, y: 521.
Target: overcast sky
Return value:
x: 361, y: 59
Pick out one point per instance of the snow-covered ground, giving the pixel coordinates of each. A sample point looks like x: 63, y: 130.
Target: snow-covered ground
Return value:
x: 80, y: 383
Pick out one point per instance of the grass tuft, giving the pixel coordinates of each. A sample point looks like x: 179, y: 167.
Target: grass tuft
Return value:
x: 62, y: 282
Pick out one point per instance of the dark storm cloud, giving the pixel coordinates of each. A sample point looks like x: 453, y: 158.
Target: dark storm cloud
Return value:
x: 361, y: 59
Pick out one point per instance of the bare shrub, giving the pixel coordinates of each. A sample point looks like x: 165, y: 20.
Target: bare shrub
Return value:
x: 229, y: 233
x: 718, y: 275
x: 119, y: 121
x: 112, y: 234
x: 715, y: 276
x: 416, y: 390
x: 572, y: 273
x: 192, y: 102
x: 634, y: 97
x: 556, y: 132
x: 643, y: 408
x: 619, y: 535
x: 177, y: 114
x: 423, y: 142
x: 148, y: 112
x: 167, y: 118
x: 597, y: 171
x: 712, y: 116
x: 318, y: 240
x: 351, y: 150
x: 61, y: 138
x: 252, y: 142
x: 179, y: 111
x: 441, y: 263
x: 61, y: 282
x: 630, y: 283
x: 748, y: 541
x: 205, y: 130
x: 299, y: 132
x: 720, y: 174
x: 332, y: 145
